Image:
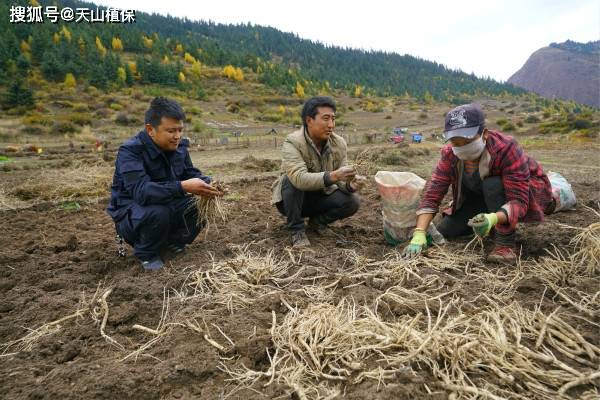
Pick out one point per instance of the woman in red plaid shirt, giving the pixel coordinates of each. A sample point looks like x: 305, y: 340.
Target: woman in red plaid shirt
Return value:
x: 494, y: 186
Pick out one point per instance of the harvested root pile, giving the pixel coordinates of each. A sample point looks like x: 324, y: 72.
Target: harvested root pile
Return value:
x: 498, y: 352
x: 487, y: 346
x: 237, y: 282
x: 563, y: 271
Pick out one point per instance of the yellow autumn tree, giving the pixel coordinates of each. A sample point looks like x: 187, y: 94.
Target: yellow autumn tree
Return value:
x: 34, y: 3
x: 25, y: 48
x: 357, y: 91
x: 132, y: 67
x: 427, y: 97
x: 100, y: 47
x: 179, y: 48
x: 117, y: 44
x: 299, y: 90
x: 238, y: 75
x: 281, y: 109
x: 229, y: 71
x: 121, y: 75
x: 181, y: 77
x: 196, y: 69
x: 148, y: 43
x: 70, y: 81
x: 66, y: 33
x: 165, y: 59
x: 189, y: 58
x: 56, y: 38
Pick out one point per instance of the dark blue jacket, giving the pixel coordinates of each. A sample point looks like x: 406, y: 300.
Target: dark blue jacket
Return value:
x: 146, y: 175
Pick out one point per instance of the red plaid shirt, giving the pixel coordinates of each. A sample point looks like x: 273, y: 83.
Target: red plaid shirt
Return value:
x: 526, y: 186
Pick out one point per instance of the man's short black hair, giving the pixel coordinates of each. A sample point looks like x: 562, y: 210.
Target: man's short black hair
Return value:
x: 311, y: 107
x: 162, y: 107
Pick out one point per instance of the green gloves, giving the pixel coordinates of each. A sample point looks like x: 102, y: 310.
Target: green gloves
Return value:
x: 482, y: 223
x: 417, y: 244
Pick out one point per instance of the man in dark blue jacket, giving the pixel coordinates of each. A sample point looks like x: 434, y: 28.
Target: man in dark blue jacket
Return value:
x: 154, y: 177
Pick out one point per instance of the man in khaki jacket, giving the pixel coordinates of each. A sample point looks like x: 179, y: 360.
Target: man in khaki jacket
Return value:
x: 317, y: 182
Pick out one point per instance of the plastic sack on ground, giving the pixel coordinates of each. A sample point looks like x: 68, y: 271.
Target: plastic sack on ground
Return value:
x: 562, y: 192
x: 400, y: 193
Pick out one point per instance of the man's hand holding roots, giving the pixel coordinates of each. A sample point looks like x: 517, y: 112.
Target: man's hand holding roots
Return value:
x: 198, y: 187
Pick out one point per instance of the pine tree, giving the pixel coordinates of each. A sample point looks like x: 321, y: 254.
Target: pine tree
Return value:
x: 18, y: 95
x: 51, y: 67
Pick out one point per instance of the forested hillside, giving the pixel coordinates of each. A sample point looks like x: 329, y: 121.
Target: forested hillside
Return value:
x: 172, y: 51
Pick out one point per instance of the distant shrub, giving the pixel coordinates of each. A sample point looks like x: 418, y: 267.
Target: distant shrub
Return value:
x: 80, y: 119
x: 122, y: 119
x: 532, y: 119
x: 509, y: 127
x: 62, y: 127
x: 32, y: 130
x: 194, y: 111
x: 103, y: 112
x: 546, y: 114
x: 198, y: 127
x: 502, y: 121
x: 80, y: 107
x: 233, y: 107
x: 519, y: 123
x: 116, y: 106
x: 37, y: 119
x: 581, y: 123
x: 423, y: 116
x: 269, y: 117
x: 388, y: 117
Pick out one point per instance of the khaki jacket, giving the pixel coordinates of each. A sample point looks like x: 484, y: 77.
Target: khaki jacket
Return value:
x: 306, y: 168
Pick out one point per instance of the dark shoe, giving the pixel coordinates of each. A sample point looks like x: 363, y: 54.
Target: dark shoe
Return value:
x: 503, y: 255
x: 316, y: 225
x: 299, y: 240
x: 176, y: 249
x: 153, y: 265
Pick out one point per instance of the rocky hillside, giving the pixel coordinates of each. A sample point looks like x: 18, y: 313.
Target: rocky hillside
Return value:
x: 567, y: 70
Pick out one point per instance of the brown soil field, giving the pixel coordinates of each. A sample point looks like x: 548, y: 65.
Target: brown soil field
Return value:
x: 210, y: 314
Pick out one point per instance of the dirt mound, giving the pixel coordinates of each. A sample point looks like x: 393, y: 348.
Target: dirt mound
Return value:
x: 259, y: 164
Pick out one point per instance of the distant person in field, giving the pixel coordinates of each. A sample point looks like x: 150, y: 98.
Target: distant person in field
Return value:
x: 151, y: 202
x: 317, y: 182
x: 495, y: 184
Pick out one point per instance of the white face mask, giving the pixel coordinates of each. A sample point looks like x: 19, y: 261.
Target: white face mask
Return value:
x: 469, y: 151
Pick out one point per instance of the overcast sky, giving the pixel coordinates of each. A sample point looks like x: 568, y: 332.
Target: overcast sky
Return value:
x: 489, y: 38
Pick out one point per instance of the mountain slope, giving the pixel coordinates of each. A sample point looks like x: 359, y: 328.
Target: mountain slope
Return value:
x: 567, y: 70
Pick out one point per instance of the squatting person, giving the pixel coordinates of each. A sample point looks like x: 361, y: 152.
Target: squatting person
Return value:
x: 150, y: 201
x: 495, y: 184
x: 317, y: 182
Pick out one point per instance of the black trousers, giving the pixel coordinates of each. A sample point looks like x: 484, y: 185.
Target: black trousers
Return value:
x: 490, y: 200
x: 150, y: 228
x: 297, y: 205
